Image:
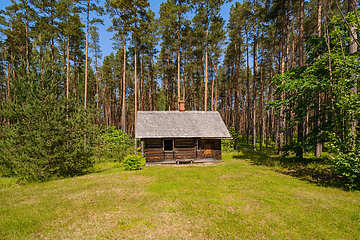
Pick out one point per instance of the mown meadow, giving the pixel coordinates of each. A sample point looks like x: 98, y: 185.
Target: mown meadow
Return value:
x: 241, y: 198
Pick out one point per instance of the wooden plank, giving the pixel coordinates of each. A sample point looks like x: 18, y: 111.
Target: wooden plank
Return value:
x: 185, y: 157
x: 155, y: 155
x: 154, y: 158
x: 184, y: 149
x: 183, y: 144
x: 153, y: 143
x: 185, y: 153
x: 154, y: 150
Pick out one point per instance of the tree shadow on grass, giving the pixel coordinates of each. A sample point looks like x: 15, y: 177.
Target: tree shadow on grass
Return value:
x: 311, y: 169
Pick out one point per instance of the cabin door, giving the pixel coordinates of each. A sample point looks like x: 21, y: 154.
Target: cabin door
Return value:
x: 207, y: 149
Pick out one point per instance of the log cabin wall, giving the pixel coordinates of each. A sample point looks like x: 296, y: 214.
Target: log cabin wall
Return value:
x: 158, y: 150
x: 154, y: 150
x: 210, y: 148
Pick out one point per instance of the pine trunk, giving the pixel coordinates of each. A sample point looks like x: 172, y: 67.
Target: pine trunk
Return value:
x: 352, y: 6
x: 247, y: 89
x: 318, y: 147
x: 282, y: 72
x: 299, y: 152
x: 178, y: 59
x: 262, y: 128
x: 123, y: 115
x: 86, y: 52
x: 67, y: 74
x: 27, y: 36
x: 271, y: 111
x: 135, y: 92
x: 254, y: 84
x: 206, y: 62
x: 151, y: 80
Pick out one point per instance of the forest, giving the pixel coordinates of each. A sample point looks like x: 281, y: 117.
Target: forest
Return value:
x: 282, y: 74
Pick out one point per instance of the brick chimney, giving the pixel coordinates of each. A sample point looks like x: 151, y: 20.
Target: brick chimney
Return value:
x: 182, y: 106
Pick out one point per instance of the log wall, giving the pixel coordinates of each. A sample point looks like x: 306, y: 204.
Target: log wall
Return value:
x: 182, y: 149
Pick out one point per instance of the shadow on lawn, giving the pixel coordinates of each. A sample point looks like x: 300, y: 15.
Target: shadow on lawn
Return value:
x: 311, y: 169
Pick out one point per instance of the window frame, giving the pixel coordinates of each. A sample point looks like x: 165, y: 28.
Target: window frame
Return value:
x: 172, y: 145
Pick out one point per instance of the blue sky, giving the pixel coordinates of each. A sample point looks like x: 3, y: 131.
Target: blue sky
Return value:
x: 105, y: 37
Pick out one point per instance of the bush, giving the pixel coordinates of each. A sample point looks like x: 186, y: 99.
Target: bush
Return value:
x: 228, y: 145
x: 132, y: 162
x: 114, y: 144
x: 348, y: 165
x: 346, y: 161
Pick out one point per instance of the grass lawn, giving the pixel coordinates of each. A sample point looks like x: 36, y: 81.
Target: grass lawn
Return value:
x: 236, y: 199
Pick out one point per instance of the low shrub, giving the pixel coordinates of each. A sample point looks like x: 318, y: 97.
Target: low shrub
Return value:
x: 132, y: 162
x: 346, y: 161
x: 113, y: 145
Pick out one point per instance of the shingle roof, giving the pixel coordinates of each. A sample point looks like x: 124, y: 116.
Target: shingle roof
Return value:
x: 175, y: 124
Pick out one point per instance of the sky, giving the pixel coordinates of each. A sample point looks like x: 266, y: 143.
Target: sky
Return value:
x: 106, y: 43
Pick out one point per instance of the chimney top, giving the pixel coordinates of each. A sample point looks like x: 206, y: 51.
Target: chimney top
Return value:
x: 182, y: 106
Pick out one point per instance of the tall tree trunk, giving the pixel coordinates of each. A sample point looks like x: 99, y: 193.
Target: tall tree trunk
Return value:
x: 216, y: 90
x: 206, y: 59
x: 141, y: 87
x: 262, y: 127
x: 299, y: 152
x: 67, y: 75
x: 123, y: 115
x: 247, y: 89
x: 178, y: 59
x: 288, y: 43
x: 151, y: 80
x: 86, y: 58
x: 12, y: 56
x: 135, y: 90
x: 293, y: 60
x: 271, y: 111
x: 352, y: 6
x: 254, y: 82
x: 237, y: 96
x: 27, y: 36
x: 282, y: 72
x: 318, y: 147
x: 213, y: 86
x: 168, y: 79
x: 86, y: 52
x: 97, y: 85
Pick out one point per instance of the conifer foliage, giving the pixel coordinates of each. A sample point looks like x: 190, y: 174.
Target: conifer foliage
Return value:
x: 44, y: 133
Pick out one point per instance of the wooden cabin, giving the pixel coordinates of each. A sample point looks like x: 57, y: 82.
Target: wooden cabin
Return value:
x: 181, y: 136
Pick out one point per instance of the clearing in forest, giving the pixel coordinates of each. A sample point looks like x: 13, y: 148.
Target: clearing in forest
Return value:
x: 235, y: 199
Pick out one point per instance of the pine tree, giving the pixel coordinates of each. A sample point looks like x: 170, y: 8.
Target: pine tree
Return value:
x: 40, y: 141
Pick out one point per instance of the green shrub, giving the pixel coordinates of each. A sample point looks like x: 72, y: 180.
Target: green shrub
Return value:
x: 346, y: 160
x: 348, y: 165
x: 114, y: 145
x: 228, y: 145
x: 132, y: 162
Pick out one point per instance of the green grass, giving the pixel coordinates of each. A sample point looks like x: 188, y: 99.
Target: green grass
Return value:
x: 238, y: 199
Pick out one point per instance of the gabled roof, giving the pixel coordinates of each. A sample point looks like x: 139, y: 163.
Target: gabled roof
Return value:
x: 175, y: 124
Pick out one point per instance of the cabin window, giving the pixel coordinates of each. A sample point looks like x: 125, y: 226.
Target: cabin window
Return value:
x: 168, y: 145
